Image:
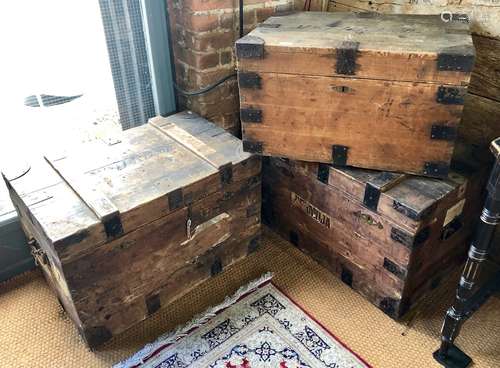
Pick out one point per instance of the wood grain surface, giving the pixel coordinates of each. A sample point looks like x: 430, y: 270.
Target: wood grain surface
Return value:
x: 376, y: 85
x: 384, y: 123
x: 186, y: 198
x: 391, y: 261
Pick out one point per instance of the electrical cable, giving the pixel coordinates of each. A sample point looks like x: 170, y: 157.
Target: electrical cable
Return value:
x: 205, y: 89
x: 220, y: 81
x: 241, y: 19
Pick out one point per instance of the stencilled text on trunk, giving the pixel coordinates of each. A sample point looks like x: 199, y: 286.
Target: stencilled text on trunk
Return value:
x: 311, y: 211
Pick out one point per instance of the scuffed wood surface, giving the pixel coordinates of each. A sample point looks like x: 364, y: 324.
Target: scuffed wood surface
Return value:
x: 384, y: 124
x: 98, y: 203
x: 188, y: 199
x: 354, y: 242
x: 320, y: 32
x: 306, y: 43
x: 380, y: 111
x: 483, y: 14
x: 485, y: 79
x: 137, y: 174
x: 161, y: 254
x: 480, y: 125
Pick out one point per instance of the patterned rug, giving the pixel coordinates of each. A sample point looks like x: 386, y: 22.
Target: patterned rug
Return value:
x: 257, y: 327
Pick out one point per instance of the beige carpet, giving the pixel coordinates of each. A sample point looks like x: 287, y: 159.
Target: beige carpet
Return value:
x: 35, y: 332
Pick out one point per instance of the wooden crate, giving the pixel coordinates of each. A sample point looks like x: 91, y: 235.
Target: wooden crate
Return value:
x: 124, y: 227
x: 392, y: 237
x: 375, y: 91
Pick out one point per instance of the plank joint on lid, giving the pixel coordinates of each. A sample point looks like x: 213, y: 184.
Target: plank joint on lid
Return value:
x: 95, y: 200
x: 193, y: 144
x: 382, y: 183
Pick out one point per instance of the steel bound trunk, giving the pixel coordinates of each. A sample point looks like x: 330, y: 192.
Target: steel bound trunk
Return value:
x: 367, y: 90
x: 123, y: 227
x: 392, y: 237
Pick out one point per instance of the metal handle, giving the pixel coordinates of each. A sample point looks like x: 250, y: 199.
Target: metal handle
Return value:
x: 38, y: 253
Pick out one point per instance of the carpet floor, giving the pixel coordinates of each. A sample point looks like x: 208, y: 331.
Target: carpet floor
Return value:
x: 35, y: 332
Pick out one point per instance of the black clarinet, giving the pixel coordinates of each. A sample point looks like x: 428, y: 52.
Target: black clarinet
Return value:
x: 467, y: 299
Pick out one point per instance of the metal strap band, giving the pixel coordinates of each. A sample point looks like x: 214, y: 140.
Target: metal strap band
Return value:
x: 452, y: 313
x: 466, y: 284
x: 490, y: 218
x: 477, y: 254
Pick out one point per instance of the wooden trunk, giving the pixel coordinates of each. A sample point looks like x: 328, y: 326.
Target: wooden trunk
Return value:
x: 392, y: 237
x: 124, y: 227
x: 375, y: 91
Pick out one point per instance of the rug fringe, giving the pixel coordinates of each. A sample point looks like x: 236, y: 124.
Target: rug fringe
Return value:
x: 198, y: 321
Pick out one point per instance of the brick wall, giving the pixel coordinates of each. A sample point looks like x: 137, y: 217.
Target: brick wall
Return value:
x: 203, y: 35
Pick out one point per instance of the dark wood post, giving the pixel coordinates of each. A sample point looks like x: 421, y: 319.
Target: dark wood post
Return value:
x: 468, y: 298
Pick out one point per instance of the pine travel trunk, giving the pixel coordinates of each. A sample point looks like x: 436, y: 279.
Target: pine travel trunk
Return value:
x: 392, y: 237
x: 368, y: 90
x: 124, y: 226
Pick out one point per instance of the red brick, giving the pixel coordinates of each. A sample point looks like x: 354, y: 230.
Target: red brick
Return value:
x: 263, y: 14
x: 226, y: 91
x: 190, y: 78
x: 201, y: 22
x: 283, y: 8
x: 180, y: 53
x: 222, y: 99
x: 185, y: 76
x: 201, y: 5
x: 211, y: 40
x: 226, y: 115
x: 205, y: 78
x: 229, y: 21
x: 224, y: 112
x: 204, y: 61
x: 251, y: 2
x: 226, y: 57
x: 249, y: 17
x: 226, y: 106
x: 197, y: 60
x: 202, y: 46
